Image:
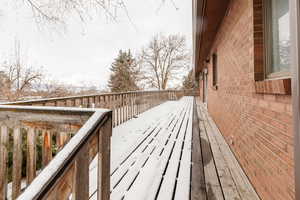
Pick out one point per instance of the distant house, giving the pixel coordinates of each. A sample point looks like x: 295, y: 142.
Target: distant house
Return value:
x: 243, y: 66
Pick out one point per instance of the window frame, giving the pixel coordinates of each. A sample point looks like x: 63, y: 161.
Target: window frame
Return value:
x: 268, y: 44
x: 215, y: 81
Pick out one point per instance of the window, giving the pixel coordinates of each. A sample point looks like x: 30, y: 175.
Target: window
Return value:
x: 277, y: 38
x: 215, y: 69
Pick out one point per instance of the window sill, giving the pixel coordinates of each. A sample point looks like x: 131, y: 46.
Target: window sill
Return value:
x: 274, y: 86
x: 215, y: 87
x: 279, y: 75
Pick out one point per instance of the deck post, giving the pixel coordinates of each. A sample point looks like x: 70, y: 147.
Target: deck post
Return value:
x: 104, y: 161
x: 114, y: 110
x: 47, y: 147
x: 295, y: 42
x: 118, y: 109
x: 17, y: 163
x: 3, y: 161
x: 31, y: 155
x: 81, y: 175
x: 126, y: 107
x: 138, y: 104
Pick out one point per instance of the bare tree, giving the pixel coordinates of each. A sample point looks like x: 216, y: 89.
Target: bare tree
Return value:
x: 49, y: 88
x: 57, y: 11
x: 86, y: 88
x: 19, y: 77
x: 164, y: 59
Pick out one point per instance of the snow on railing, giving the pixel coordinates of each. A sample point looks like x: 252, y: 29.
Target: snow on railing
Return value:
x: 54, y: 141
x: 124, y: 105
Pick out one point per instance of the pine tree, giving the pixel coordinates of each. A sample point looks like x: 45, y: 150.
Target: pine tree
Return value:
x: 188, y: 81
x: 124, y: 76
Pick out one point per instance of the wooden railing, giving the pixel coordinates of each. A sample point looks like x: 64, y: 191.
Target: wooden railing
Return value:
x: 52, y: 137
x: 58, y: 144
x: 124, y: 105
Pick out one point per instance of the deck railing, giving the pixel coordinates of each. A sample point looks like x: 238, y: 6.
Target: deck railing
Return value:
x: 124, y: 105
x: 33, y: 141
x: 52, y: 137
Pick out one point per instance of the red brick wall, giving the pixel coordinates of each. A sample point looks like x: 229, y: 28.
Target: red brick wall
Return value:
x: 258, y: 127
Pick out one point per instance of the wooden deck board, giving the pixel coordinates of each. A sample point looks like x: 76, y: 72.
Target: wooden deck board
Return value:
x: 234, y: 182
x: 212, y: 182
x: 152, y: 169
x: 184, y: 176
x: 168, y: 185
x: 226, y: 182
x: 198, y: 188
x: 135, y: 172
x: 182, y: 156
x: 241, y: 181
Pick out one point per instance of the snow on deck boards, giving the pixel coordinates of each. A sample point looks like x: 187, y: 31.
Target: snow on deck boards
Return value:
x: 147, y: 152
x: 224, y: 177
x: 173, y: 151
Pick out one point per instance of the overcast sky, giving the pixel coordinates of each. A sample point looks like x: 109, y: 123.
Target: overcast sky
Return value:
x: 84, y: 52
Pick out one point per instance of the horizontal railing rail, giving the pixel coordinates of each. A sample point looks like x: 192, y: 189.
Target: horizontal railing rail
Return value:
x: 48, y: 100
x: 56, y: 143
x: 125, y: 106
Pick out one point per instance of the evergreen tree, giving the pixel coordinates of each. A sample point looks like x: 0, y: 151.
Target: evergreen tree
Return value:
x: 188, y: 81
x: 124, y: 76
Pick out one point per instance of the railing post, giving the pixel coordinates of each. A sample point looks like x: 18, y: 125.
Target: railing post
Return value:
x: 3, y: 161
x: 88, y: 103
x: 112, y: 102
x: 117, y: 109
x: 104, y: 101
x: 80, y: 102
x: 94, y: 102
x: 146, y: 102
x: 127, y: 107
x: 135, y: 104
x: 47, y: 147
x: 132, y: 105
x: 81, y: 175
x: 61, y: 139
x: 104, y: 161
x: 143, y: 101
x: 138, y: 99
x: 122, y: 108
x: 113, y: 110
x: 31, y: 155
x: 17, y: 163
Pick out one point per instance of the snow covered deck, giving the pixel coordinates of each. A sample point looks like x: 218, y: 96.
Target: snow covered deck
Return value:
x: 166, y: 153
